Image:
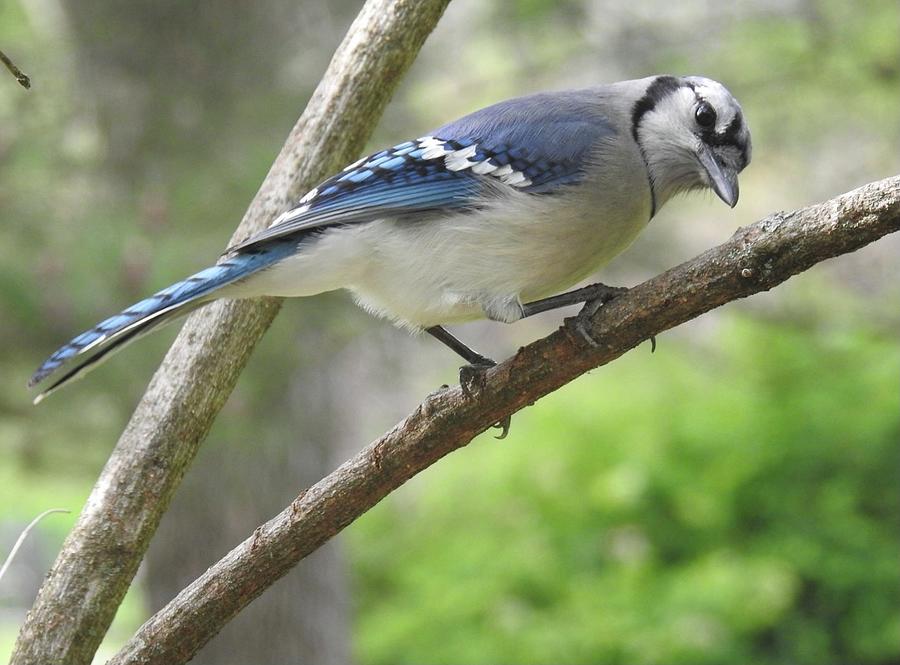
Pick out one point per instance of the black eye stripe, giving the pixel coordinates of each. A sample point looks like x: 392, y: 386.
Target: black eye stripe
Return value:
x: 734, y: 127
x: 729, y: 136
x: 733, y: 135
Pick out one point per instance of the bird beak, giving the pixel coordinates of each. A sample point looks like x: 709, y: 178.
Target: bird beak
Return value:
x: 722, y: 179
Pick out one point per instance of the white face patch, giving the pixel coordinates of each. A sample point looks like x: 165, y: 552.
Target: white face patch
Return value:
x: 683, y: 150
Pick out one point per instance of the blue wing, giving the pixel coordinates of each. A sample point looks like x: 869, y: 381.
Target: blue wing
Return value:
x: 536, y: 144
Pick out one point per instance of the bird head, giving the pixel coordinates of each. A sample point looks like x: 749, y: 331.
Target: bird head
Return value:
x: 692, y: 134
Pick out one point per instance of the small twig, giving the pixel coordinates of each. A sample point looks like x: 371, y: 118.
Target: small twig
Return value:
x: 25, y: 532
x: 21, y: 76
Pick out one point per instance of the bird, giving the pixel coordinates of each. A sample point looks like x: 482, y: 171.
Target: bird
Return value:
x: 486, y: 216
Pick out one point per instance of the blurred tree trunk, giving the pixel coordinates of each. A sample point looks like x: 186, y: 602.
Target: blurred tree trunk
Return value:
x: 78, y: 600
x: 160, y: 98
x: 238, y: 483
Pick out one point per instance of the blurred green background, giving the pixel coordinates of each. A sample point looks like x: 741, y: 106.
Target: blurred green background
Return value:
x: 732, y: 498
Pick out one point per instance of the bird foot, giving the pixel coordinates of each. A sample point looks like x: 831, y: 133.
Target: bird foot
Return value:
x: 583, y: 319
x: 471, y: 380
x: 471, y: 376
x: 503, y: 426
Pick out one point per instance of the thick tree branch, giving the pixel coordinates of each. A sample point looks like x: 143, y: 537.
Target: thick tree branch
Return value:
x: 99, y: 558
x: 755, y: 259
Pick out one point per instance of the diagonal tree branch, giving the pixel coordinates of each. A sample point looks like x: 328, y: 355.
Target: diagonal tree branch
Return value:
x: 100, y: 556
x: 756, y: 258
x: 23, y: 78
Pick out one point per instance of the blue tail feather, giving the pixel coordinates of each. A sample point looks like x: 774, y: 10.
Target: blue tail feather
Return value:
x: 150, y: 313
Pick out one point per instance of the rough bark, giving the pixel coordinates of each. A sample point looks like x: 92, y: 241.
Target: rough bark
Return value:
x: 756, y: 258
x: 100, y: 556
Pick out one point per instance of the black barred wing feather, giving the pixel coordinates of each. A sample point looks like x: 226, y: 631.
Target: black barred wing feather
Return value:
x: 419, y: 177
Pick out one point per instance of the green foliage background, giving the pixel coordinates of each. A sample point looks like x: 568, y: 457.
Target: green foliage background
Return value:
x: 732, y: 498
x: 689, y: 508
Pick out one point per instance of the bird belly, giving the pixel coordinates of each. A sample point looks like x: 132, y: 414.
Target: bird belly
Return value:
x: 453, y: 269
x: 468, y: 265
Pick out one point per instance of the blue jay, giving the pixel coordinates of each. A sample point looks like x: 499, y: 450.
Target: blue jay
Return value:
x: 478, y: 218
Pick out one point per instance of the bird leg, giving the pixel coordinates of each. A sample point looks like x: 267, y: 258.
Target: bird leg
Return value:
x: 594, y: 296
x: 471, y: 376
x: 444, y: 336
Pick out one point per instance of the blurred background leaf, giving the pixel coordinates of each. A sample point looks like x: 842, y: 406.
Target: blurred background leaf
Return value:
x: 732, y: 498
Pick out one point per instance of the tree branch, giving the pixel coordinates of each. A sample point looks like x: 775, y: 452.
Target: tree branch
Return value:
x: 755, y: 259
x: 21, y: 76
x: 100, y: 556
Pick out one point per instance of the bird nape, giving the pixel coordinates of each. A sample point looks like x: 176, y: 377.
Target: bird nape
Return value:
x: 487, y: 216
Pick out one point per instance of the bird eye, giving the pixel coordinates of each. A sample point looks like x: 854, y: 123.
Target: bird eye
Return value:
x: 705, y: 115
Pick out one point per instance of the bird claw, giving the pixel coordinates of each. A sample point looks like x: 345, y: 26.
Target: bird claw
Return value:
x: 471, y: 380
x: 471, y: 376
x: 582, y: 325
x: 503, y: 426
x: 591, y: 307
